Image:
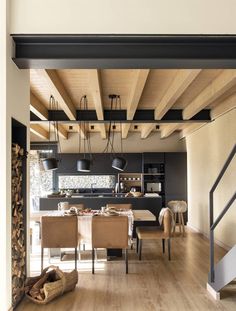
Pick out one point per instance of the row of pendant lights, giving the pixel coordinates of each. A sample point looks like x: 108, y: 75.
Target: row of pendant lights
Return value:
x: 118, y: 163
x: 84, y: 164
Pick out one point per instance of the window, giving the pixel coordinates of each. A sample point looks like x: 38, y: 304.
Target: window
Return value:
x: 41, y: 181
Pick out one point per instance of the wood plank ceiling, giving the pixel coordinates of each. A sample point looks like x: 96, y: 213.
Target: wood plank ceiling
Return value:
x: 189, y: 89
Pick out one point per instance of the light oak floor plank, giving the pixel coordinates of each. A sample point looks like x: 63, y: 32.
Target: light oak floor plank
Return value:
x: 153, y: 284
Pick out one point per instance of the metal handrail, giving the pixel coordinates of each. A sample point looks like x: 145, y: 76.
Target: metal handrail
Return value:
x: 213, y: 223
x: 218, y: 219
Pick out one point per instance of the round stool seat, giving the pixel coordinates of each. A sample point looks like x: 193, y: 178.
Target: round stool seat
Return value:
x: 177, y: 206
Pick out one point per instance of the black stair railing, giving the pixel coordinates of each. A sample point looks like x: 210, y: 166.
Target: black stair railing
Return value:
x: 213, y: 223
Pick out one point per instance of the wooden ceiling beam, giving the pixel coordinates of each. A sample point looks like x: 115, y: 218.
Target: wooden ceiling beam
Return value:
x: 59, y: 92
x: 125, y: 129
x: 214, y: 90
x: 37, y: 107
x: 224, y: 107
x: 178, y: 86
x: 189, y: 129
x: 140, y: 78
x: 147, y: 129
x: 167, y: 130
x: 96, y: 91
x: 136, y: 91
x: 62, y: 131
x: 39, y: 131
x: 81, y: 132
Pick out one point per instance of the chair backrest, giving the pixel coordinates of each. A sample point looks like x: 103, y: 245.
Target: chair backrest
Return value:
x: 120, y: 206
x: 110, y: 232
x: 167, y: 220
x: 59, y: 231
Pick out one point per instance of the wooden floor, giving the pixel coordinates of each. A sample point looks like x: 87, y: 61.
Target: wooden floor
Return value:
x: 152, y: 284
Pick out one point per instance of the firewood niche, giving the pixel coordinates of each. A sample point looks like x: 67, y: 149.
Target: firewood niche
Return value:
x: 18, y: 226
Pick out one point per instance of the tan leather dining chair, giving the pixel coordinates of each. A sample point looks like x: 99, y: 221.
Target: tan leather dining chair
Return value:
x: 155, y: 233
x: 59, y: 232
x: 120, y: 206
x: 110, y: 232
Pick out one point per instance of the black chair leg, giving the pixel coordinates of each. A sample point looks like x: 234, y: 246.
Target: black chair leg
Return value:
x: 163, y: 246
x: 93, y: 253
x: 140, y: 249
x: 126, y: 261
x: 137, y: 244
x: 169, y: 257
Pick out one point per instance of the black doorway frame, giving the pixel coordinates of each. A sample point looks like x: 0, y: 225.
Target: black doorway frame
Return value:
x: 124, y: 51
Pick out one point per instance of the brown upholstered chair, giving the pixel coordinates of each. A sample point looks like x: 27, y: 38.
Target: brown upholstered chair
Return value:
x: 110, y: 232
x: 119, y: 206
x: 59, y: 232
x: 155, y: 233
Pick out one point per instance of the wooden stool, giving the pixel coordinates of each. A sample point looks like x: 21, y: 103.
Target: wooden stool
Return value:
x: 179, y: 223
x: 178, y: 208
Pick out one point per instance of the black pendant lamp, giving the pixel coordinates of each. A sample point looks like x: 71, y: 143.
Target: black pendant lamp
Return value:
x: 118, y: 162
x: 84, y: 164
x: 51, y: 163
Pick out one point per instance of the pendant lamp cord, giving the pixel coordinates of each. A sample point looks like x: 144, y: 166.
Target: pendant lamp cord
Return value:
x: 115, y: 105
x: 53, y: 107
x: 82, y: 128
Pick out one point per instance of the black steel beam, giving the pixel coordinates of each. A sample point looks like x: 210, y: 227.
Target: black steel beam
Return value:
x: 125, y: 51
x: 141, y: 116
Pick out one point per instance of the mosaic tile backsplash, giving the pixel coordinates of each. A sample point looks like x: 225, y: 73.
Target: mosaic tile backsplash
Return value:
x: 85, y: 181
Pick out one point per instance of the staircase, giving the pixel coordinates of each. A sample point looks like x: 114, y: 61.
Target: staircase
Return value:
x: 224, y: 271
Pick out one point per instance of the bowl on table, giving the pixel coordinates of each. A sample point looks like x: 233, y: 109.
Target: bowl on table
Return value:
x: 136, y: 194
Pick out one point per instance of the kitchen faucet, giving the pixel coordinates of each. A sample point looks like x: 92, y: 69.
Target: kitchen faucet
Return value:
x: 91, y: 186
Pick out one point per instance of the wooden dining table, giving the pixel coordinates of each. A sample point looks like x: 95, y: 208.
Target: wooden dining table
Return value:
x: 138, y: 215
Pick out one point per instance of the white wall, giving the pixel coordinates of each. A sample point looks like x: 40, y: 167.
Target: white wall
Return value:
x: 124, y: 16
x: 207, y: 151
x: 14, y: 102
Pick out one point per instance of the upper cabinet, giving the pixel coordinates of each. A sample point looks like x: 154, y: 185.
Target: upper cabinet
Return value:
x: 153, y: 157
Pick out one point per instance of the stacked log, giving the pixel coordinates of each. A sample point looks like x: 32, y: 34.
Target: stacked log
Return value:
x: 18, y: 226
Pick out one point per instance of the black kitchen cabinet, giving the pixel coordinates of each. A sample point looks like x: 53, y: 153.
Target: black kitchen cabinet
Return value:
x: 175, y: 176
x: 153, y: 157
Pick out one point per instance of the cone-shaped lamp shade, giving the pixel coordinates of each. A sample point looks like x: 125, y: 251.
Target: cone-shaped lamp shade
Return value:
x: 50, y: 164
x: 119, y: 163
x: 83, y: 165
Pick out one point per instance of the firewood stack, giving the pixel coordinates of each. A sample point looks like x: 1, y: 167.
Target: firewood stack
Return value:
x: 18, y: 226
